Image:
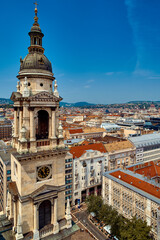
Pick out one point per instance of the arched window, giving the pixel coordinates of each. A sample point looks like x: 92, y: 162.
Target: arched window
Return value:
x: 42, y: 125
x: 44, y: 214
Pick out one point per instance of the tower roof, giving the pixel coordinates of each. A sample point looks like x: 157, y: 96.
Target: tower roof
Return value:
x: 35, y: 59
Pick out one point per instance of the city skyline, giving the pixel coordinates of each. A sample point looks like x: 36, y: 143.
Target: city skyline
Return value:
x: 101, y: 52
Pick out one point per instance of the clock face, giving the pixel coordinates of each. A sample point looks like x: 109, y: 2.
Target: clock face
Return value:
x: 44, y: 172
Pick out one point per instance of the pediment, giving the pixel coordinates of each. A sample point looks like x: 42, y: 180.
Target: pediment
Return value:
x: 43, y: 190
x: 44, y: 96
x: 15, y: 96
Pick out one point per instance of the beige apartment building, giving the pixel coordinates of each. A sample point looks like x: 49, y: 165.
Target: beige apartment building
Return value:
x: 120, y: 154
x: 86, y: 133
x: 135, y: 191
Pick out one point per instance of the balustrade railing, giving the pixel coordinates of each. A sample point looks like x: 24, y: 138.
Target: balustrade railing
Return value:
x: 41, y: 143
x: 46, y: 231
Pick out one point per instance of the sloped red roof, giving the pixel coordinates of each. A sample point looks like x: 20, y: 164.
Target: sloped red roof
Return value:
x: 148, y: 169
x: 74, y: 131
x: 78, y: 151
x: 138, y: 183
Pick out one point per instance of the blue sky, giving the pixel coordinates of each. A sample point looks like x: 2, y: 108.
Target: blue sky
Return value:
x: 102, y: 51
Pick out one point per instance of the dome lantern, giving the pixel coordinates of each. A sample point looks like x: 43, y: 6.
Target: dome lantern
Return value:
x: 35, y: 59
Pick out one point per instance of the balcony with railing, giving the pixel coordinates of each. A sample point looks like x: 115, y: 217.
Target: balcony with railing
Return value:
x: 41, y: 143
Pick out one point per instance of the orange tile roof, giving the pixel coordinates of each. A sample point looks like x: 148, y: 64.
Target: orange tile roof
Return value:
x: 149, y: 169
x: 78, y: 151
x: 140, y: 184
x: 85, y: 142
x: 74, y: 131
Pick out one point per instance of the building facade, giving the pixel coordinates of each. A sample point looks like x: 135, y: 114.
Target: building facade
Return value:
x: 147, y: 147
x: 120, y: 154
x: 5, y: 129
x: 36, y: 198
x: 68, y: 177
x: 89, y: 163
x: 5, y: 177
x: 132, y: 193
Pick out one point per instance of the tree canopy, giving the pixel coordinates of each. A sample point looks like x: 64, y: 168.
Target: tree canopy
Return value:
x: 122, y: 228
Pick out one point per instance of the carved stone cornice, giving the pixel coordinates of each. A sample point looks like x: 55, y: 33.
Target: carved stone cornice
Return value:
x: 39, y: 155
x: 35, y: 76
x: 46, y: 192
x: 41, y: 194
x: 44, y: 97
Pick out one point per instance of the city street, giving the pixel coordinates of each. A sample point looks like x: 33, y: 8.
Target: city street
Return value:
x: 82, y: 216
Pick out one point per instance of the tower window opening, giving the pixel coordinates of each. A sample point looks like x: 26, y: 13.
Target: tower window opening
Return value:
x: 29, y: 84
x: 42, y: 123
x: 41, y: 84
x: 44, y: 214
x: 35, y: 41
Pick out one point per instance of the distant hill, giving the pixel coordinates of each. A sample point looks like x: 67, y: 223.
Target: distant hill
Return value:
x: 141, y: 102
x: 64, y: 104
x: 77, y: 104
x: 5, y: 101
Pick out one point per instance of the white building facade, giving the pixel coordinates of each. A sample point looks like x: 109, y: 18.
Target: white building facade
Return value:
x: 147, y: 147
x: 87, y: 174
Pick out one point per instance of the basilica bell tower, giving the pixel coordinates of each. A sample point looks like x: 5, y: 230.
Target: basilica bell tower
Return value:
x: 36, y: 197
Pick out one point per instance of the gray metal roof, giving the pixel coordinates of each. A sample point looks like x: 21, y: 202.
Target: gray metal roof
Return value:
x: 6, y: 157
x: 72, y: 141
x: 145, y: 140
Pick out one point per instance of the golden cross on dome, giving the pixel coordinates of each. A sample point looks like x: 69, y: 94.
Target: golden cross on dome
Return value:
x: 36, y: 4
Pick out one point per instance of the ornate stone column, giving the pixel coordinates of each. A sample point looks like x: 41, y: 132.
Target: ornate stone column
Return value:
x: 56, y: 224
x: 50, y: 127
x: 15, y: 215
x: 11, y: 208
x: 15, y: 122
x: 52, y: 211
x: 20, y: 119
x: 53, y: 134
x: 36, y: 223
x: 32, y: 125
x: 19, y: 235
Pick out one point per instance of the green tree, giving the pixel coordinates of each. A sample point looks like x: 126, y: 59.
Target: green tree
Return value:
x: 117, y: 223
x: 124, y: 229
x: 105, y: 214
x: 135, y: 229
x: 94, y: 204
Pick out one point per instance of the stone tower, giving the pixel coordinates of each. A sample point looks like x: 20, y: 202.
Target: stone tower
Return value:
x: 36, y: 198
